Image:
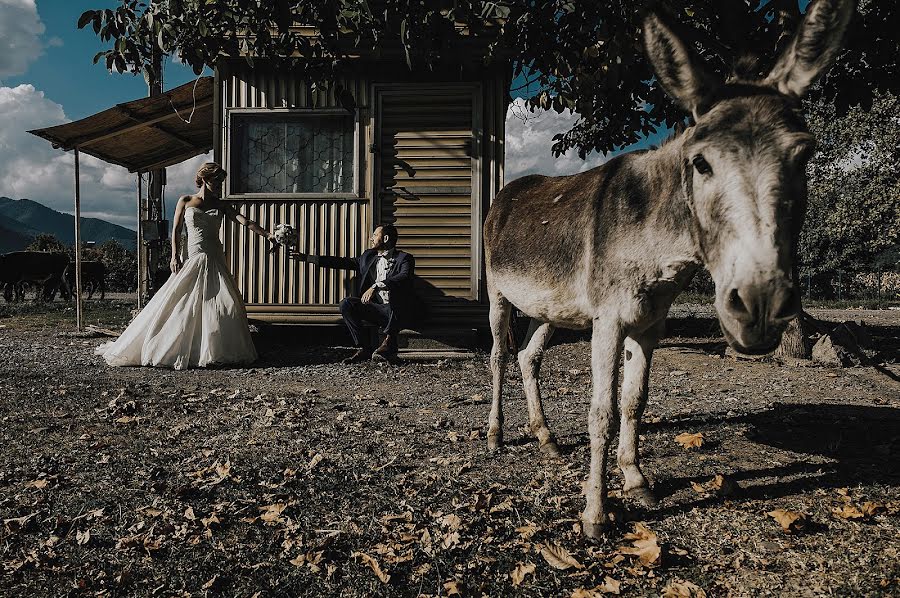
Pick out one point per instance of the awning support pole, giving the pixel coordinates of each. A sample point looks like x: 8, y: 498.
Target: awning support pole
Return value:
x: 140, y: 245
x: 79, y: 316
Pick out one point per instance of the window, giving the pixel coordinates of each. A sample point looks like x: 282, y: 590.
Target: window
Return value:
x: 292, y: 153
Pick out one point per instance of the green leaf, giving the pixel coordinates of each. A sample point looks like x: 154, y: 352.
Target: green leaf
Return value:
x: 98, y: 55
x: 85, y: 18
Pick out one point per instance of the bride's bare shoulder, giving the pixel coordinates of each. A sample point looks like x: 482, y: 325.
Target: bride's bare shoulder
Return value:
x: 190, y: 201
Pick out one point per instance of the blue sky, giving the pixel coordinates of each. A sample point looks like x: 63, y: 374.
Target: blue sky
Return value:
x: 47, y: 78
x: 64, y: 69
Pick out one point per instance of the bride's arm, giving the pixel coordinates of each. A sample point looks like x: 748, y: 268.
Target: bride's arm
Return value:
x: 175, y: 262
x: 239, y: 218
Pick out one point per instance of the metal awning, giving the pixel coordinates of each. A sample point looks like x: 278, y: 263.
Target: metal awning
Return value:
x: 144, y: 134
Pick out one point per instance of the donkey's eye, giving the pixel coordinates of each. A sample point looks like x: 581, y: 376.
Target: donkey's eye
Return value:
x: 701, y: 164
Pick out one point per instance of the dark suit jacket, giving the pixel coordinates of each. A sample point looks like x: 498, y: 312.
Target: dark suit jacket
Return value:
x: 398, y: 281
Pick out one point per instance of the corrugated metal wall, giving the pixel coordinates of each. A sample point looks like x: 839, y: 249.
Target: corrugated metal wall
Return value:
x: 448, y: 162
x: 426, y: 166
x: 326, y: 227
x: 333, y: 226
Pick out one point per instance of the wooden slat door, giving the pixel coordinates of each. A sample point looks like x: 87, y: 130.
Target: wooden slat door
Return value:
x: 425, y: 167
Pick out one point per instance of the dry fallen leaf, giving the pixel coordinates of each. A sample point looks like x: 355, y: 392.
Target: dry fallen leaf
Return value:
x: 559, y: 558
x: 317, y: 458
x: 847, y: 512
x: 373, y: 564
x: 518, y: 574
x: 527, y: 530
x: 644, y: 545
x: 451, y: 521
x: 689, y: 441
x: 215, y: 584
x: 272, y: 513
x: 82, y: 538
x: 450, y: 540
x: 452, y: 588
x: 678, y: 588
x: 17, y: 523
x: 790, y: 521
x: 872, y: 508
x: 39, y: 484
x: 609, y: 586
x: 720, y: 484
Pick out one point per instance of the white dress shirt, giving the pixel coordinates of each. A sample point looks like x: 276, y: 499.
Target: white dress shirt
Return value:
x: 382, y: 266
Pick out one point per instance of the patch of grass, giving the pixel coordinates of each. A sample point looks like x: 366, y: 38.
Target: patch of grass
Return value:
x: 864, y: 303
x: 30, y: 315
x: 870, y: 303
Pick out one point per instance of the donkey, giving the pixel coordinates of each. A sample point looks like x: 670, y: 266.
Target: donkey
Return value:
x: 609, y: 249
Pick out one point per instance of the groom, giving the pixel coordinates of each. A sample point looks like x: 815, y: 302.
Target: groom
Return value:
x: 384, y: 293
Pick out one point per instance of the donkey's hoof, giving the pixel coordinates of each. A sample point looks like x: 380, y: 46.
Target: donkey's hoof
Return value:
x: 595, y: 530
x: 495, y: 443
x: 643, y: 495
x: 551, y: 449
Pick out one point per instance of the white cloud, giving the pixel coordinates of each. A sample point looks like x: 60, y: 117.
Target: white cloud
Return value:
x: 20, y: 36
x: 30, y: 167
x: 529, y: 137
x: 55, y: 42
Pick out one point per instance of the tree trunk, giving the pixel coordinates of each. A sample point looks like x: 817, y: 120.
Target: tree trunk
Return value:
x: 795, y: 342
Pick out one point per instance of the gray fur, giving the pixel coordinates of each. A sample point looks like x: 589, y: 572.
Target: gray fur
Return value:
x: 609, y: 249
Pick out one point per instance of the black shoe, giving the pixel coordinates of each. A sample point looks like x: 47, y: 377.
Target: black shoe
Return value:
x: 388, y: 349
x: 362, y: 354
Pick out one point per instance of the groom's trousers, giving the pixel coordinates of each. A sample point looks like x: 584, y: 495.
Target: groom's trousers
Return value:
x: 356, y: 314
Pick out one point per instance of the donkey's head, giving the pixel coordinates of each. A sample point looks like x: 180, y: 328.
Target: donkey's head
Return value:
x: 743, y: 169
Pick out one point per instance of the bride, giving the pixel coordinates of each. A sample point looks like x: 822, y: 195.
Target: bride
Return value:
x: 197, y: 317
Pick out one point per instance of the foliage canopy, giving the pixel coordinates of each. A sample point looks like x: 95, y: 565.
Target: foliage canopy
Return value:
x: 585, y: 56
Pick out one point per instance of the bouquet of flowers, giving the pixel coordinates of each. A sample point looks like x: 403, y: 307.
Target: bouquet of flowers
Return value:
x: 285, y: 236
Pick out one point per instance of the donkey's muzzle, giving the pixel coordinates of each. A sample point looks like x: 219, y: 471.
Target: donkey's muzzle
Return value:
x: 753, y: 316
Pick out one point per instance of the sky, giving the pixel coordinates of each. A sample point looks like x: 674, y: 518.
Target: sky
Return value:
x: 47, y: 78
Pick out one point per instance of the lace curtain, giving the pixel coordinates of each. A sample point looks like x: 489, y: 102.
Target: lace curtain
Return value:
x: 293, y: 154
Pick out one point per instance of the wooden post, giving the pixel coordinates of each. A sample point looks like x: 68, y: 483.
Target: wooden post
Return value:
x: 140, y: 246
x: 79, y: 316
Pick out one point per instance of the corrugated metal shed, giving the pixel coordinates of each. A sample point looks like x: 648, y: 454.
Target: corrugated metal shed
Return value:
x: 144, y: 134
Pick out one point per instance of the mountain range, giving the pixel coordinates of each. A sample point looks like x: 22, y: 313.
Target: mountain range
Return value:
x: 21, y: 220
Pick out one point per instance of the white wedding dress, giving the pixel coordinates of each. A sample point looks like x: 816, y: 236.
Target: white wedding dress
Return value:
x: 197, y: 317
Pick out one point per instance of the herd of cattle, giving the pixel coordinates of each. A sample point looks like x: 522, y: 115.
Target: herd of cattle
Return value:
x: 48, y: 273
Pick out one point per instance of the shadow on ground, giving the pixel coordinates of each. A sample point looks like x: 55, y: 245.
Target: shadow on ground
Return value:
x: 833, y: 446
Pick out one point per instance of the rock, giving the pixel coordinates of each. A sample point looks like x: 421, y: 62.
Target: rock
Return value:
x: 849, y: 344
x: 827, y: 352
x: 856, y: 338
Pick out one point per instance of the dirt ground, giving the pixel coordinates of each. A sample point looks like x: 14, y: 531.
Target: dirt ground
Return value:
x: 300, y: 476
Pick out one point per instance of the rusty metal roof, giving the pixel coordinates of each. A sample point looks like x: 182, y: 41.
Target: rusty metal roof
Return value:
x: 144, y: 134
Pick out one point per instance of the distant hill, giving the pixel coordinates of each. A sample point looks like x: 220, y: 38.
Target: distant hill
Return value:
x: 23, y: 219
x: 12, y: 237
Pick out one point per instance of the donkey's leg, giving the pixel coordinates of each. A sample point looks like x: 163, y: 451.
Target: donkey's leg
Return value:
x: 606, y: 346
x: 530, y: 357
x: 638, y: 352
x: 499, y: 319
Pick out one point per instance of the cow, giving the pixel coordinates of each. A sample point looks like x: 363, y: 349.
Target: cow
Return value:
x: 93, y: 277
x: 44, y: 268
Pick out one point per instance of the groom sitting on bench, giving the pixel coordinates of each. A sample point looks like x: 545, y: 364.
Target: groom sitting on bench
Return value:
x: 384, y: 293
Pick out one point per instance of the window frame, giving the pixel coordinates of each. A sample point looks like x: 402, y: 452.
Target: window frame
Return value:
x: 230, y: 115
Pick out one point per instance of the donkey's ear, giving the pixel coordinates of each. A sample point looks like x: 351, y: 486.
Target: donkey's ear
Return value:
x: 813, y: 48
x: 680, y: 71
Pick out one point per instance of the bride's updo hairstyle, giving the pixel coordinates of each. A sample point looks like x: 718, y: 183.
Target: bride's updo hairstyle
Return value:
x: 209, y: 172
